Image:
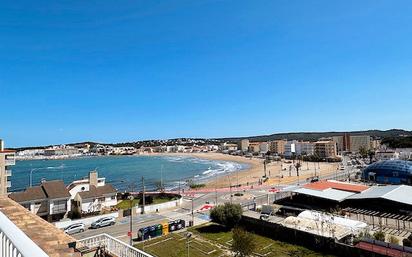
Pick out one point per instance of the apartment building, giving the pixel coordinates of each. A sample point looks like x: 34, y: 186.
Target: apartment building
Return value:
x: 299, y: 148
x: 277, y: 146
x: 326, y: 149
x: 254, y: 147
x: 243, y: 145
x: 264, y: 147
x: 7, y: 159
x: 348, y: 143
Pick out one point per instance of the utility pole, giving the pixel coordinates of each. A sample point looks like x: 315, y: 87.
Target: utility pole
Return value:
x: 131, y: 220
x: 230, y: 188
x: 193, y: 217
x: 161, y: 178
x: 216, y: 188
x: 143, y: 195
x: 264, y: 168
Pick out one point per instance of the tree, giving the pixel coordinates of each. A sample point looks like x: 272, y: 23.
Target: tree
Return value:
x: 297, y: 166
x: 228, y: 214
x: 243, y: 242
x: 379, y: 235
x: 363, y: 152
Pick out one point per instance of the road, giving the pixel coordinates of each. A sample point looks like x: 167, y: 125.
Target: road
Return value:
x: 121, y: 228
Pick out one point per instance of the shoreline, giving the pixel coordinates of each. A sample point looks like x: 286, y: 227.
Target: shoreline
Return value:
x: 278, y: 172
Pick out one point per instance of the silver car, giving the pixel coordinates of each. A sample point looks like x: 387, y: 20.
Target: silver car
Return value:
x: 74, y: 228
x: 102, y: 222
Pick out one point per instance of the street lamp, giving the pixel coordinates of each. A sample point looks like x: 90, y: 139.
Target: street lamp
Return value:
x: 131, y: 198
x: 31, y: 175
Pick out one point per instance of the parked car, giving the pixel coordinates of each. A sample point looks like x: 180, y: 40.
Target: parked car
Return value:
x: 74, y: 228
x: 103, y: 222
x: 267, y: 211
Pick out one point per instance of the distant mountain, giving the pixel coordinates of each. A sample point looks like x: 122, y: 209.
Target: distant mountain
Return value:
x: 313, y: 136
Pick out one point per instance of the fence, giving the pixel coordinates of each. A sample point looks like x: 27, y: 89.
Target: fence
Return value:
x: 110, y: 244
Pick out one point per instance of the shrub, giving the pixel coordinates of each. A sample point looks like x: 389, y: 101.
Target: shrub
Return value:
x: 148, y: 199
x: 228, y: 214
x: 393, y: 240
x: 379, y: 235
x: 243, y: 242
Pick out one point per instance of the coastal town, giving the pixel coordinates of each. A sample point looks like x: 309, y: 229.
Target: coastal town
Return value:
x: 288, y: 185
x: 205, y: 128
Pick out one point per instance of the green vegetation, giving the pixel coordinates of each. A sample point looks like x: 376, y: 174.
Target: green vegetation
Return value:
x: 243, y: 244
x: 212, y: 240
x: 398, y: 142
x: 227, y: 215
x: 175, y: 245
x: 379, y: 235
x: 222, y: 238
x: 197, y: 186
x: 149, y: 199
x: 393, y: 240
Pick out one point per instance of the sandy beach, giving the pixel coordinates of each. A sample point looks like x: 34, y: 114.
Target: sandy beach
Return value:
x: 280, y: 172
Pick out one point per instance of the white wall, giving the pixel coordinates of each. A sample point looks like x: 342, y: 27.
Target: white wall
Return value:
x: 159, y: 207
x: 85, y: 221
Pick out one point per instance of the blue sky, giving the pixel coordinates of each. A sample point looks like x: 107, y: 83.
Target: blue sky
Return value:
x: 115, y: 71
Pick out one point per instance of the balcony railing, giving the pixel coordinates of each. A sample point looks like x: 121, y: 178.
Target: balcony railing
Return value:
x: 15, y: 243
x: 112, y: 245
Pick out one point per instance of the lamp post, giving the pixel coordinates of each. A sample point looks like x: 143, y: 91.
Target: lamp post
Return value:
x: 31, y: 175
x: 131, y: 198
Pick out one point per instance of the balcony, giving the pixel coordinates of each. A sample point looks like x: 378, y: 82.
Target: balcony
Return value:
x: 10, y: 160
x: 111, y: 245
x: 14, y: 242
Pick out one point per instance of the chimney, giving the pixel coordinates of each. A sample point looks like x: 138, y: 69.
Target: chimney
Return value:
x: 93, y: 178
x: 1, y: 145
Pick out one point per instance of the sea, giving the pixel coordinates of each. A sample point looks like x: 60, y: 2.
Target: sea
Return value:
x: 124, y: 172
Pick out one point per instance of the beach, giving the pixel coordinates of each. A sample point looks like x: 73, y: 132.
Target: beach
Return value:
x: 278, y: 172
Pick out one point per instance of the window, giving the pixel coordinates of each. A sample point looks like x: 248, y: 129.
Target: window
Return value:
x: 113, y: 197
x: 60, y: 206
x: 396, y: 174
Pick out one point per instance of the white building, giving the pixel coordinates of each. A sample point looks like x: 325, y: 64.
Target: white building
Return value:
x: 243, y: 145
x: 264, y: 147
x: 92, y: 194
x: 299, y: 148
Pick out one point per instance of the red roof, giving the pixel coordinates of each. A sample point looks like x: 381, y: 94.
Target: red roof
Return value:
x: 325, y: 184
x: 7, y: 151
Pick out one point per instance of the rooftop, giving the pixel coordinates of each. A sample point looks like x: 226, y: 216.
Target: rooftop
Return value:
x: 48, y: 189
x: 97, y: 191
x: 329, y: 193
x: 53, y: 241
x: 391, y: 165
x: 400, y: 193
x: 332, y: 184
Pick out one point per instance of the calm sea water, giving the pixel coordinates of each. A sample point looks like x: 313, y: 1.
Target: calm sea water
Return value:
x: 124, y: 172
